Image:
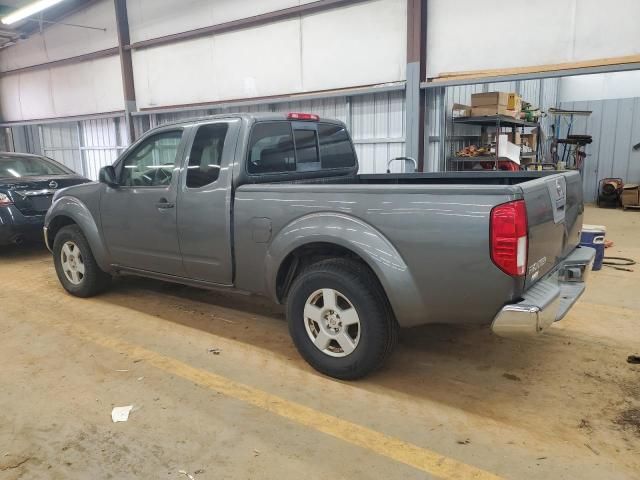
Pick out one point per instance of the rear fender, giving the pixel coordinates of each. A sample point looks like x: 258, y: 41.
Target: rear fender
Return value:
x: 77, y: 211
x: 363, y: 240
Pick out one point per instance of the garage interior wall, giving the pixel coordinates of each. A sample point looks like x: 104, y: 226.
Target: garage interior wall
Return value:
x: 90, y: 87
x: 365, y: 42
x: 486, y: 36
x: 292, y: 56
x: 614, y: 124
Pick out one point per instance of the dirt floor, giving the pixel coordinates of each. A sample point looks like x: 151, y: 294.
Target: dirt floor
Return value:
x: 451, y: 402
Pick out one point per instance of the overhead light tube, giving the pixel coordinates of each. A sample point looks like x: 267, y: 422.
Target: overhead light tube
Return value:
x: 28, y: 10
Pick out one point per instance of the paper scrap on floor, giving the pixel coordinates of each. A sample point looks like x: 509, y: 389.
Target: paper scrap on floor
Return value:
x: 121, y: 414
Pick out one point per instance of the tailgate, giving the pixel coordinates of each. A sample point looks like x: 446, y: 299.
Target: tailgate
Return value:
x: 554, y: 215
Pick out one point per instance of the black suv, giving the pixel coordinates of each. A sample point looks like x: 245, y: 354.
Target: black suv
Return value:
x: 27, y: 185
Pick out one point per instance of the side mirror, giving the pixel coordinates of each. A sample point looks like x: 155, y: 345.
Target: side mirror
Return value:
x: 108, y: 176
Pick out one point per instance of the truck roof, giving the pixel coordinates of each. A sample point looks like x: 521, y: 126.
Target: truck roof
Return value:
x: 252, y: 116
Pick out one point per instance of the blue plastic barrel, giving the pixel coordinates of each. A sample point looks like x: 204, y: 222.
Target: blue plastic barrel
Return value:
x: 593, y: 236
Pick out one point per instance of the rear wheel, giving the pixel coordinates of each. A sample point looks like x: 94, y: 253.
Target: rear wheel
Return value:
x: 75, y: 265
x: 340, y: 320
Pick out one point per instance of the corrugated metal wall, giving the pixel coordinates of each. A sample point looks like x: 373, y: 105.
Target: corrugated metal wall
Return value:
x: 615, y: 128
x: 61, y: 142
x: 378, y: 130
x: 101, y: 143
x: 376, y: 122
x: 83, y: 146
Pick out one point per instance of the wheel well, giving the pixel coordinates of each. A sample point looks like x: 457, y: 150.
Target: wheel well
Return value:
x: 309, y: 254
x: 55, y: 225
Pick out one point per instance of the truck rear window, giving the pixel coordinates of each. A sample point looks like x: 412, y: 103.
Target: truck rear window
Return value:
x: 278, y: 147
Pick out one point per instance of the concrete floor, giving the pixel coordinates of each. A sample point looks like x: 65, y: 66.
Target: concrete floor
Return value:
x: 451, y: 403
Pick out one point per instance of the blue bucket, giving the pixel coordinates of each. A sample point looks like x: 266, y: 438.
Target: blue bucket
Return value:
x: 593, y: 236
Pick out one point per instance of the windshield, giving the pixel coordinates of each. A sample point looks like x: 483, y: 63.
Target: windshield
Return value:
x: 30, y: 167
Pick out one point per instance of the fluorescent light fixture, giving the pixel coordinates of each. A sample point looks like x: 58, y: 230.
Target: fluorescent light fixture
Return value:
x: 28, y: 10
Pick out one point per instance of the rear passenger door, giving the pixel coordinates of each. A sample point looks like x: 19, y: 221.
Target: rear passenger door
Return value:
x: 204, y: 202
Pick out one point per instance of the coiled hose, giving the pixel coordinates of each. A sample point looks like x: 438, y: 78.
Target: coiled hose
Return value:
x: 619, y: 263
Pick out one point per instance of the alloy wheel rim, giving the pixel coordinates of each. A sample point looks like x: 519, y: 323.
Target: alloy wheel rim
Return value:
x: 332, y: 322
x: 72, y: 262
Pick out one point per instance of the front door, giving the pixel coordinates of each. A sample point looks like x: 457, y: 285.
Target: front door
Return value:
x: 204, y: 203
x: 139, y: 217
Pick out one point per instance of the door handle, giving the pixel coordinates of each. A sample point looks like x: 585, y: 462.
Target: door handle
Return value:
x: 164, y: 203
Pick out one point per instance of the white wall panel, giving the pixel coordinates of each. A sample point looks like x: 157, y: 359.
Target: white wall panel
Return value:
x: 61, y: 41
x: 157, y: 18
x: 175, y: 74
x: 488, y: 33
x: 78, y: 89
x: 367, y: 45
x: 228, y: 66
x: 10, y: 105
x: 35, y: 95
x: 259, y: 62
x: 606, y: 28
x: 359, y: 45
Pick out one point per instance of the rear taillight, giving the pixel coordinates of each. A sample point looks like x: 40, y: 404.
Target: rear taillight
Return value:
x: 508, y: 231
x: 303, y: 116
x: 5, y: 200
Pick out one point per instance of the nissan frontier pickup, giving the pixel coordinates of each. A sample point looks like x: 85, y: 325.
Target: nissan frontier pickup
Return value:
x: 272, y: 204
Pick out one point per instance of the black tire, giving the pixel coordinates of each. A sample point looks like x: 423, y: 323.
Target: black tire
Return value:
x: 94, y: 280
x: 378, y: 327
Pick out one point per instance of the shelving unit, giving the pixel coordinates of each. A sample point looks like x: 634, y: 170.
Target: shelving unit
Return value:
x: 493, y: 121
x: 573, y: 146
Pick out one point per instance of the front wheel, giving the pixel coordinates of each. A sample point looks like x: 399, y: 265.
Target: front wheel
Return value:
x: 340, y: 320
x: 75, y: 265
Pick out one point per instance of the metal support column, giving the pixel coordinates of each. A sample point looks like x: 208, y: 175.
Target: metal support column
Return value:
x: 416, y: 72
x: 126, y: 66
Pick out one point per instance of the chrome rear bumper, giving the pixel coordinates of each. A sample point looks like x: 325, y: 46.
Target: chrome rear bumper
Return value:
x: 547, y: 301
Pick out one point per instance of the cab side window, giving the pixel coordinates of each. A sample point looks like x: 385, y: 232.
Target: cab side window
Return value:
x: 271, y: 148
x: 152, y: 163
x: 206, y: 154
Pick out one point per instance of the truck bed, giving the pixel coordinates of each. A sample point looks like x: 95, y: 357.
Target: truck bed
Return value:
x: 435, y: 224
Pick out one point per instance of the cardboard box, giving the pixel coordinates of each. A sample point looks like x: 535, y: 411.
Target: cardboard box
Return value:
x: 517, y: 140
x: 460, y: 110
x: 630, y: 195
x: 489, y: 99
x: 530, y: 139
x: 511, y: 100
x: 494, y: 110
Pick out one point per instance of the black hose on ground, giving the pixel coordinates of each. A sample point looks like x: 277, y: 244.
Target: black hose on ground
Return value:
x: 619, y: 263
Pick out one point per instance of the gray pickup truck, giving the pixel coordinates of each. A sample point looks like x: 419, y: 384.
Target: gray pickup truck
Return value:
x: 272, y: 204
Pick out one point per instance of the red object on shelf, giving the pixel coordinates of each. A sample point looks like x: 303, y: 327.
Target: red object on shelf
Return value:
x: 505, y: 165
